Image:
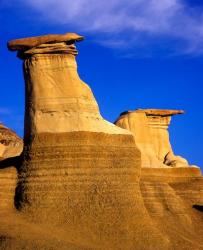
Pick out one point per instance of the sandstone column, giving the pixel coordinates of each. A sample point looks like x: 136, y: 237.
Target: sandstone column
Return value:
x: 137, y: 123
x: 159, y: 121
x: 79, y: 172
x: 150, y: 129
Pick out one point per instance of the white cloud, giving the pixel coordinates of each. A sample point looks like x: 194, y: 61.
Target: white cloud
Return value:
x: 128, y: 20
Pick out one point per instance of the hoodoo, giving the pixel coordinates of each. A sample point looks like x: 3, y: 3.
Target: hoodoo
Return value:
x: 150, y: 129
x: 79, y: 177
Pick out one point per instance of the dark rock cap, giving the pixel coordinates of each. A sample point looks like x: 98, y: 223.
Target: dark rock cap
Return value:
x: 156, y: 112
x: 161, y: 112
x: 31, y: 42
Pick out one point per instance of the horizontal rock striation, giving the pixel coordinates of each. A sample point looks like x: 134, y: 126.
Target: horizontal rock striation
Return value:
x: 80, y: 173
x: 175, y: 216
x: 137, y: 123
x: 83, y: 183
x: 8, y: 183
x: 171, y: 190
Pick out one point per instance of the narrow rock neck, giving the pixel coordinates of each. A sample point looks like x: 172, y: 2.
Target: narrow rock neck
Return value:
x: 160, y: 134
x: 55, y: 95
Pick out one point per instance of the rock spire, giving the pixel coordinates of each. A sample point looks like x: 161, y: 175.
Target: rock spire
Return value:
x: 79, y: 175
x: 150, y: 129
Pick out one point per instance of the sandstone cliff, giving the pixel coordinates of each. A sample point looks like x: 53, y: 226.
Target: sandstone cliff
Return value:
x: 171, y: 189
x: 79, y: 182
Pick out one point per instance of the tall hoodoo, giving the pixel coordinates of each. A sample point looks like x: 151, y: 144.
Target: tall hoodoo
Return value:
x: 79, y: 172
x: 57, y: 100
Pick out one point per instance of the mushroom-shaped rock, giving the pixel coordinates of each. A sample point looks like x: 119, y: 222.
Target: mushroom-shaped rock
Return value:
x: 31, y: 42
x: 150, y: 129
x: 80, y: 173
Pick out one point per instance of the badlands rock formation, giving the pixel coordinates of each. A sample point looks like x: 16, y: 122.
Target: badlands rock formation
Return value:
x: 11, y: 146
x: 78, y: 178
x: 150, y: 129
x: 172, y: 190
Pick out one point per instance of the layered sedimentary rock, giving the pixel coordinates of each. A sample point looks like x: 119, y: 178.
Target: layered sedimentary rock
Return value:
x: 172, y: 191
x: 79, y: 178
x: 11, y: 144
x: 159, y: 121
x: 137, y: 123
x: 8, y: 182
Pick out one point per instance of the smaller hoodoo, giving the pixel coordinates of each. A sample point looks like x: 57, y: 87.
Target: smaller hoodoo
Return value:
x: 150, y: 129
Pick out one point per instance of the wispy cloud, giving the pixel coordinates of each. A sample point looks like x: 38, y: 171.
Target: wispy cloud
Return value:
x: 133, y: 23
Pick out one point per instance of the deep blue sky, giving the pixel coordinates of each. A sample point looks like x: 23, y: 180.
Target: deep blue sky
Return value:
x: 133, y: 57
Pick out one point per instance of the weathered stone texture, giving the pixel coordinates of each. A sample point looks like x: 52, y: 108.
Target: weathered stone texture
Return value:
x: 10, y: 144
x: 79, y: 182
x: 8, y: 183
x: 80, y: 173
x: 169, y: 187
x: 150, y: 129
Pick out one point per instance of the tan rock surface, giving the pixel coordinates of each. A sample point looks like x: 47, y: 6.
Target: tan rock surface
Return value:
x: 172, y: 191
x: 159, y: 121
x: 173, y: 198
x: 80, y: 174
x: 8, y: 183
x: 59, y: 101
x: 137, y: 123
x: 79, y: 186
x: 150, y: 129
x: 10, y: 143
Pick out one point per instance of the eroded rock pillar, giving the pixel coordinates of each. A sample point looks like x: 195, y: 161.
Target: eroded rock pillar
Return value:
x: 159, y: 121
x: 80, y: 172
x: 137, y: 123
x: 150, y: 129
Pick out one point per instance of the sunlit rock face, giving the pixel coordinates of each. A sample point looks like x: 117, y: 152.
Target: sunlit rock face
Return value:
x: 137, y: 123
x: 159, y: 121
x: 78, y: 184
x: 150, y: 129
x: 8, y: 182
x: 172, y: 190
x: 11, y: 144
